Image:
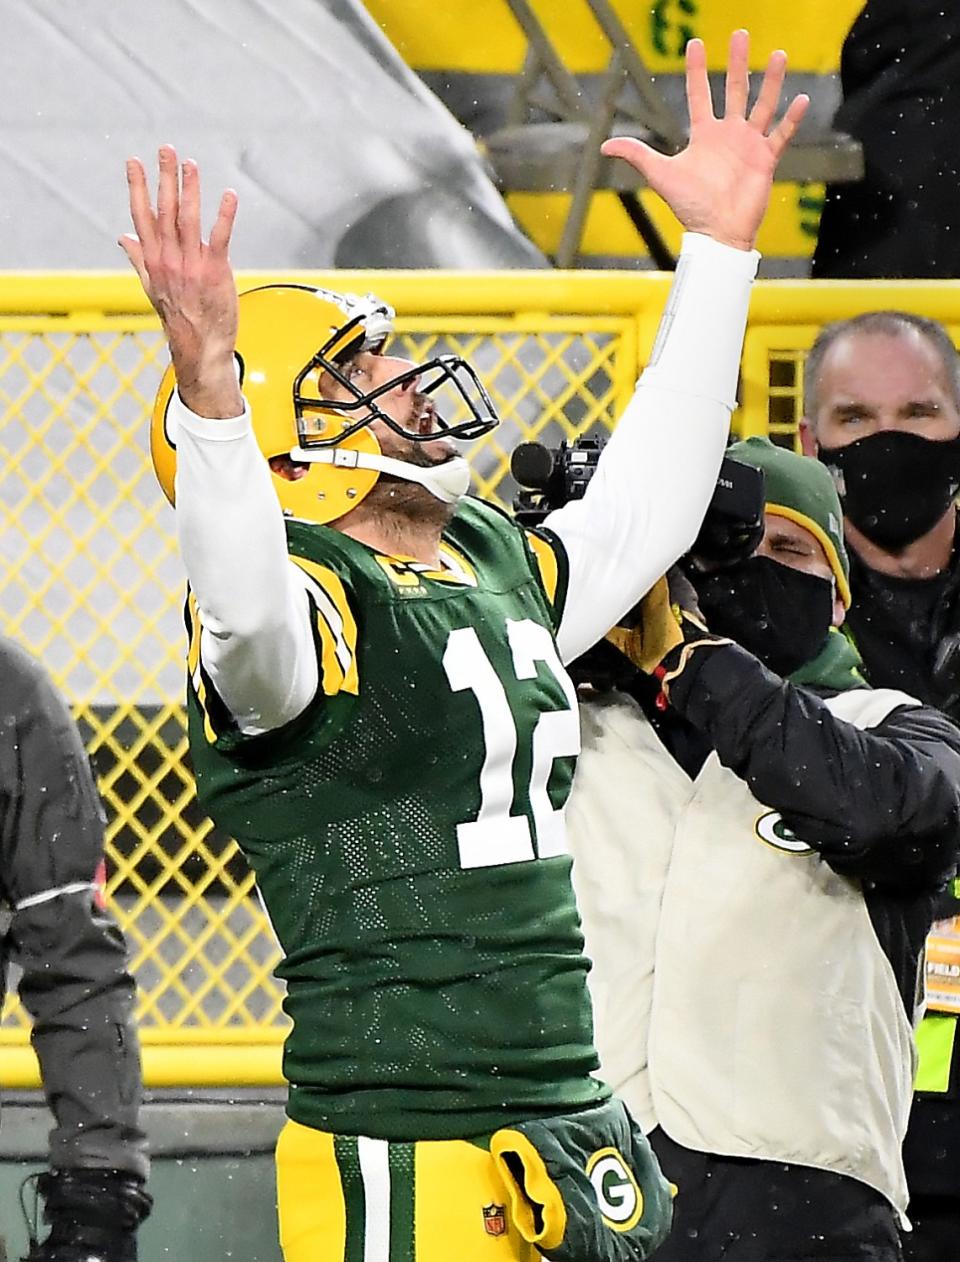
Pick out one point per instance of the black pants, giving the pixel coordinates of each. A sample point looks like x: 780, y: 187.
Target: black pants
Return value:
x: 936, y: 1229
x: 931, y: 1154
x: 731, y: 1209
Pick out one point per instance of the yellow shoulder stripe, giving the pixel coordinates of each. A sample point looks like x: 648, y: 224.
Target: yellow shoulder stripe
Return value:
x: 337, y: 628
x: 193, y: 666
x: 546, y: 560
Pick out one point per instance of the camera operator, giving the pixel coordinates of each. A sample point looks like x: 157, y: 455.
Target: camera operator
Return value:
x: 882, y: 412
x: 759, y: 841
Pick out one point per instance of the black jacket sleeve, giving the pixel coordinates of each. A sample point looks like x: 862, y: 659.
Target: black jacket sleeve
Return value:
x: 882, y: 804
x: 75, y: 981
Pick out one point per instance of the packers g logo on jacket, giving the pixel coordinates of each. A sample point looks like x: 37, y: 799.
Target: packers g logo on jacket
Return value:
x: 290, y: 337
x: 771, y: 829
x: 618, y: 1195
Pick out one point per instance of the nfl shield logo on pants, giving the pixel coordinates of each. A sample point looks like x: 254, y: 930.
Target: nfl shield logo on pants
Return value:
x: 495, y: 1219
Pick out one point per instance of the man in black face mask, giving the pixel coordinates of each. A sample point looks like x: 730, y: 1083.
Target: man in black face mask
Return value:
x: 759, y: 840
x: 882, y: 412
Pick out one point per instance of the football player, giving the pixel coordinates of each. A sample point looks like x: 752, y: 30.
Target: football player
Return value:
x: 380, y: 715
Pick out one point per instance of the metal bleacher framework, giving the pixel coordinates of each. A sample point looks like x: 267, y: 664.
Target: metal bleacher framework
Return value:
x: 551, y: 141
x: 91, y: 582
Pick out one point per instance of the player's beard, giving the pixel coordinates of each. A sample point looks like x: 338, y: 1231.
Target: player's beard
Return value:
x: 408, y: 503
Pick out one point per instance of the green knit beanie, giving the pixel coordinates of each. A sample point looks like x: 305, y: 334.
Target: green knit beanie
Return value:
x: 802, y: 490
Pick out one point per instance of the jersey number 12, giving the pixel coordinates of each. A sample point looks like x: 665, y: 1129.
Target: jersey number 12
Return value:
x: 496, y: 836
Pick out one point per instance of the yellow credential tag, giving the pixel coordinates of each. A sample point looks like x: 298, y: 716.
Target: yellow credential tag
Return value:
x: 943, y: 966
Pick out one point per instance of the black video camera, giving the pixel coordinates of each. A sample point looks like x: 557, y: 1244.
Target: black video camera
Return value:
x: 732, y: 528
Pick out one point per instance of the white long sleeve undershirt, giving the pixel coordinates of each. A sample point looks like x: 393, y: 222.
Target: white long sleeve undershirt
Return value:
x: 641, y: 511
x: 646, y: 501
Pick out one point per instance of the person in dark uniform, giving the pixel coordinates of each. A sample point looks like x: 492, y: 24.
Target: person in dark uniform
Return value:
x: 759, y: 839
x: 900, y: 72
x: 882, y: 412
x: 74, y: 982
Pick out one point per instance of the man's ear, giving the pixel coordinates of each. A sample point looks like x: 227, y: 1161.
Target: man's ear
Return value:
x: 839, y: 613
x: 808, y: 443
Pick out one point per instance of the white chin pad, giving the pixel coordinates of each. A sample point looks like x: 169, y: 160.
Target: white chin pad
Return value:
x: 448, y: 482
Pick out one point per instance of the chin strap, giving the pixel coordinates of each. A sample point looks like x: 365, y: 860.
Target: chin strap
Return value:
x: 448, y: 482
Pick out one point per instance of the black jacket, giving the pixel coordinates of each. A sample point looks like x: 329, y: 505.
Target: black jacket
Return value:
x: 75, y: 982
x: 908, y: 634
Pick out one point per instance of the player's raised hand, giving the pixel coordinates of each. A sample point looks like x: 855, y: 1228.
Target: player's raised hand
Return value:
x: 188, y: 280
x: 720, y: 184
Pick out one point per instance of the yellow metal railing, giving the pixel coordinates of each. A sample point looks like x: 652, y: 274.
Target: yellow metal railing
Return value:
x: 92, y: 585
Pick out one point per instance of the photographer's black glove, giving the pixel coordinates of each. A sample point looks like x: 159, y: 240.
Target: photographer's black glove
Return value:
x: 93, y: 1216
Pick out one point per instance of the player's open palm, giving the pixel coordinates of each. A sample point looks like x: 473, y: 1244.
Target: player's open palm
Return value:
x: 188, y: 280
x: 720, y: 184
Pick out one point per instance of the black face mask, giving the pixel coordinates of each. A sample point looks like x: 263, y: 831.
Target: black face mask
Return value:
x: 895, y: 487
x: 780, y: 615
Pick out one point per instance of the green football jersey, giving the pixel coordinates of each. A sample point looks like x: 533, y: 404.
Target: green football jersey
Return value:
x: 408, y: 840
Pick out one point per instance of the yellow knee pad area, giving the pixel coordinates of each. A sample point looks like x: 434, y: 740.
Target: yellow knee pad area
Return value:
x: 347, y: 1199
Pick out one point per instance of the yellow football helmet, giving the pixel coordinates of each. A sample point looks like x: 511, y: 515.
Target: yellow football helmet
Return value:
x: 291, y: 335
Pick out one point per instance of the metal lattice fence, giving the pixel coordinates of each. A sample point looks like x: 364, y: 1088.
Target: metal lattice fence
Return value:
x: 91, y: 582
x: 93, y: 586
x: 785, y: 317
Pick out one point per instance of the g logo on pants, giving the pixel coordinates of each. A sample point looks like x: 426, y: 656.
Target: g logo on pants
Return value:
x: 618, y: 1196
